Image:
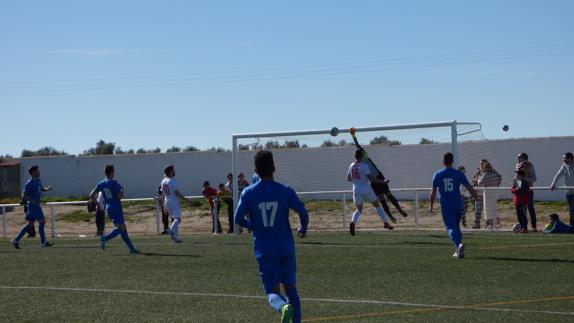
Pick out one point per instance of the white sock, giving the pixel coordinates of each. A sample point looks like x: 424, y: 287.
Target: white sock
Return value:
x: 382, y: 214
x: 356, y: 216
x: 174, y: 227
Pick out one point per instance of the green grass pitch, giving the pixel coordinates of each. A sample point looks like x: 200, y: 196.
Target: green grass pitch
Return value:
x: 372, y: 277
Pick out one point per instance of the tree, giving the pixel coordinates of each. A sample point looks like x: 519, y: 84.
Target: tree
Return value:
x: 148, y: 151
x: 102, y: 148
x: 217, y: 150
x: 291, y: 144
x: 44, y: 151
x: 328, y: 143
x: 120, y: 151
x: 344, y: 143
x: 425, y: 141
x: 243, y: 147
x: 383, y: 140
x: 190, y: 149
x: 272, y: 144
x: 173, y: 149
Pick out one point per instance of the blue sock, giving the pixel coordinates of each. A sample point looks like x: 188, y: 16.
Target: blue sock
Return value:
x: 22, y: 232
x: 276, y: 301
x: 42, y: 233
x: 455, y: 235
x: 293, y: 298
x: 127, y: 240
x: 112, y: 234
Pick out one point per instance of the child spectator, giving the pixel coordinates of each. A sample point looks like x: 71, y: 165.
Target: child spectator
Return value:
x: 522, y: 163
x: 521, y: 191
x: 557, y: 226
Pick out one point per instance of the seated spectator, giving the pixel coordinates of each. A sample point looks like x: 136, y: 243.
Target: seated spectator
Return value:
x: 557, y: 226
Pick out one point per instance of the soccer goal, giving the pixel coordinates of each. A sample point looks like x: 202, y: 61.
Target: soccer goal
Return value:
x: 315, y: 162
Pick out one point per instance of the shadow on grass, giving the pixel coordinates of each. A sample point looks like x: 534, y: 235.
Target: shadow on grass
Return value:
x: 155, y: 254
x: 552, y: 260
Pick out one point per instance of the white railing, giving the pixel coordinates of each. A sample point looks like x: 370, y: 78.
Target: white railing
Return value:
x: 344, y: 196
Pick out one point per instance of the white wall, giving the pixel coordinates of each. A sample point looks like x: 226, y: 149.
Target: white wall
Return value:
x: 309, y: 169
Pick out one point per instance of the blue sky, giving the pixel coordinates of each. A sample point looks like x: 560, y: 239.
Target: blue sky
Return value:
x: 163, y: 73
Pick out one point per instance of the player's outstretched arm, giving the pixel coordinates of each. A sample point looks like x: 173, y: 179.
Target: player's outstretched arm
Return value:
x: 296, y: 204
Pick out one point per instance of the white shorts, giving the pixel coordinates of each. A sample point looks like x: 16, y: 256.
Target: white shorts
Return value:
x: 173, y: 210
x: 360, y: 196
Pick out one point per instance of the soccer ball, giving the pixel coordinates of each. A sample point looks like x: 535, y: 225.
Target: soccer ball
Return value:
x: 505, y: 128
x: 516, y: 228
x: 334, y: 131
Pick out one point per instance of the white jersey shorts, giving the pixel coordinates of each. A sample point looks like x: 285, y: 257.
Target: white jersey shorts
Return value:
x: 364, y: 195
x: 173, y: 209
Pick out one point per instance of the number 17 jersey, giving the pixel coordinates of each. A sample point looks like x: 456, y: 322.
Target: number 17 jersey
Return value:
x: 268, y: 204
x: 448, y: 181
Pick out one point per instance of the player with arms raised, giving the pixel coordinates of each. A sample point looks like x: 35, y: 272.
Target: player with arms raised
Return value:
x: 382, y: 190
x: 360, y: 174
x: 267, y: 203
x: 113, y: 193
x: 447, y: 181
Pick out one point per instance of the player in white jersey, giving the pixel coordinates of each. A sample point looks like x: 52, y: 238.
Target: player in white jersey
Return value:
x: 360, y: 174
x: 171, y: 201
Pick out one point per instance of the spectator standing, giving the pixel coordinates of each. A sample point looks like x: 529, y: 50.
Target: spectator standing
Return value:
x: 486, y: 177
x: 225, y: 195
x: 242, y: 183
x: 530, y: 176
x: 566, y: 171
x: 521, y: 192
x: 210, y: 194
x: 466, y: 199
x: 100, y: 215
x: 164, y: 214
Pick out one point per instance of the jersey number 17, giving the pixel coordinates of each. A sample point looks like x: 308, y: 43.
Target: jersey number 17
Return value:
x: 268, y: 220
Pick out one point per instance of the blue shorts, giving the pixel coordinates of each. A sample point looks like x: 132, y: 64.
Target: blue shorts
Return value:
x: 275, y: 270
x: 451, y: 217
x: 34, y: 213
x: 117, y: 217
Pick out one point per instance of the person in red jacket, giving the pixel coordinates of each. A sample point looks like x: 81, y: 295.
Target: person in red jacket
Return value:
x: 210, y: 194
x: 521, y: 191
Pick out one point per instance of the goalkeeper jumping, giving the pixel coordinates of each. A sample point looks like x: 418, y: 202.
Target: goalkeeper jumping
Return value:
x: 381, y: 190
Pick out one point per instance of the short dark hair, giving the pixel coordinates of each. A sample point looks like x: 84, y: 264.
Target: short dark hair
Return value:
x: 221, y: 185
x: 358, y: 154
x: 32, y: 169
x: 229, y: 175
x: 523, y: 155
x: 569, y: 155
x: 109, y: 169
x: 448, y: 158
x: 205, y: 183
x: 520, y: 172
x: 264, y: 164
x: 554, y: 216
x: 168, y: 169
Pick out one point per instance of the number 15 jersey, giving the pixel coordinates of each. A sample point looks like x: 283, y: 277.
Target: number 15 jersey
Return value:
x: 268, y: 204
x: 448, y: 181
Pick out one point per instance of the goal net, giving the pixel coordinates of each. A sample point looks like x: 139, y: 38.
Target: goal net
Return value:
x: 315, y: 164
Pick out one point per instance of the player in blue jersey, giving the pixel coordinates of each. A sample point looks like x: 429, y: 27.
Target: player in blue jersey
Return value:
x: 267, y: 203
x: 447, y: 181
x: 113, y: 193
x: 32, y: 195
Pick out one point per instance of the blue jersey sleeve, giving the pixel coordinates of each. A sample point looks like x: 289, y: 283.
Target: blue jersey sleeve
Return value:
x: 28, y: 188
x: 241, y: 211
x: 464, y: 180
x: 435, y: 180
x: 296, y: 204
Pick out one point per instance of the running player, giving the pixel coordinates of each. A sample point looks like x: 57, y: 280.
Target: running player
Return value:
x: 447, y: 181
x: 360, y: 174
x: 171, y: 201
x: 113, y: 193
x: 32, y: 194
x: 267, y: 203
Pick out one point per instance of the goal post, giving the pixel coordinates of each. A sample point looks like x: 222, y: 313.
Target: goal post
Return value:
x: 246, y: 144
